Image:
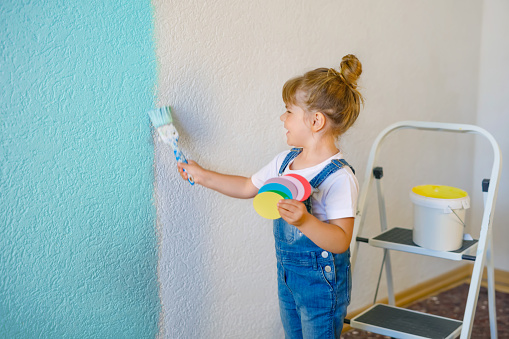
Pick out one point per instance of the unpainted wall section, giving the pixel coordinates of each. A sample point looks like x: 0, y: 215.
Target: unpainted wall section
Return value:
x: 493, y: 115
x: 222, y: 65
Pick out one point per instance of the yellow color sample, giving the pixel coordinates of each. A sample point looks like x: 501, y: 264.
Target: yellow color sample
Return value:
x: 265, y: 204
x: 439, y: 192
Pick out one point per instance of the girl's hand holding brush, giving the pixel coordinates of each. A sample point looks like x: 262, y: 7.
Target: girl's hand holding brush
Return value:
x: 192, y: 168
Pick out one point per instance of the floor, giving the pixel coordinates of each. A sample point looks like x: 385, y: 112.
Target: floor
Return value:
x: 451, y: 304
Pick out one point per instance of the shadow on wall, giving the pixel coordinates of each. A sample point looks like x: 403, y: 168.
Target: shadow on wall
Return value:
x: 185, y: 246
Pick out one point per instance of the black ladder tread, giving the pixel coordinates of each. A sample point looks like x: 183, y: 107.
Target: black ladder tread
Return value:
x: 381, y: 318
x: 403, y: 236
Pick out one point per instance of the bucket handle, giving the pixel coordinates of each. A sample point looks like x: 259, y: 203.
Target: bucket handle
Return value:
x: 457, y: 216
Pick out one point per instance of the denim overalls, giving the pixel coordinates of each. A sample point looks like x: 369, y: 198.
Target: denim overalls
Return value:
x: 313, y: 285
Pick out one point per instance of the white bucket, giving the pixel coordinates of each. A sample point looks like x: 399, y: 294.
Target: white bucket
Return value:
x: 439, y: 216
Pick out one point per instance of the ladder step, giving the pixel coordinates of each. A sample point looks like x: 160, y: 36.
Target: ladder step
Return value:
x: 400, y: 239
x: 402, y: 323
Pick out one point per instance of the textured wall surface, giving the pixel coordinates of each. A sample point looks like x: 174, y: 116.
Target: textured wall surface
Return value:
x: 493, y: 115
x: 78, y: 254
x: 222, y: 65
x: 78, y: 249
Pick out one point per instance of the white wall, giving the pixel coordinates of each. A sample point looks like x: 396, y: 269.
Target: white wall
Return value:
x: 493, y: 115
x: 222, y: 65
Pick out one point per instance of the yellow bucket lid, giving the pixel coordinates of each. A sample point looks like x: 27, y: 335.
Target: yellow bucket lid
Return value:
x: 439, y: 192
x: 446, y: 198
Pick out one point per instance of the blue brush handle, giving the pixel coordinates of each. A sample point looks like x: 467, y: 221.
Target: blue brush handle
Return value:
x: 181, y: 158
x: 169, y: 135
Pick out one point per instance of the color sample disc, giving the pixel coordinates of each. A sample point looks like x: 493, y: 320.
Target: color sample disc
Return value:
x: 285, y: 181
x: 265, y: 204
x: 277, y: 188
x: 305, y: 183
x: 298, y: 185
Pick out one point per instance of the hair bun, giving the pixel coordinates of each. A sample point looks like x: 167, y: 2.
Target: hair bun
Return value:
x: 351, y: 69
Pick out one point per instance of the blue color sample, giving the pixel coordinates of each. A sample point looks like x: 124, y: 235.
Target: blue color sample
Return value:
x: 78, y: 245
x: 276, y: 188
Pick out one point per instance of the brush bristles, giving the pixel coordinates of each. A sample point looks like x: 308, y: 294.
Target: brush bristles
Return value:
x: 160, y: 116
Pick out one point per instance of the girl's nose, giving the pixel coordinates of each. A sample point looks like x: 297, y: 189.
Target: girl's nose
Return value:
x: 283, y: 117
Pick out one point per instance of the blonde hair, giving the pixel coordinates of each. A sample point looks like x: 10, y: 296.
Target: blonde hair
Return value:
x: 330, y: 92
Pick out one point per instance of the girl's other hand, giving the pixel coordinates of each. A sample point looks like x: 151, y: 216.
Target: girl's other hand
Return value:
x: 293, y: 211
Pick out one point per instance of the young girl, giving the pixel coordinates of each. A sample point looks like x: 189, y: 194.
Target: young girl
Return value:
x: 312, y: 237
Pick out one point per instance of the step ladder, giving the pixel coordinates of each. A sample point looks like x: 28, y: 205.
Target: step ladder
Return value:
x: 403, y: 323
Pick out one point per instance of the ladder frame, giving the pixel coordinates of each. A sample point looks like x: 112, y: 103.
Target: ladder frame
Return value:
x: 484, y: 253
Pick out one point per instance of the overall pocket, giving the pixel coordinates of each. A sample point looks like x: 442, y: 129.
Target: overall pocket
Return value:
x: 343, y: 277
x: 349, y: 282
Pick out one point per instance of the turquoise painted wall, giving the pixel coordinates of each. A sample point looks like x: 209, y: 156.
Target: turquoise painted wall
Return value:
x: 78, y: 247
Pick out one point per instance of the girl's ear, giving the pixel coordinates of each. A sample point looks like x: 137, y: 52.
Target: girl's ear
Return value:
x: 318, y: 121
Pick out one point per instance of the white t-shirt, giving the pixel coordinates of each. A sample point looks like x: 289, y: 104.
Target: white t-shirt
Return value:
x: 337, y: 195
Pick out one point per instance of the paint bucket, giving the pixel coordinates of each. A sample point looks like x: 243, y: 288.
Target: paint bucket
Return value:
x: 439, y: 216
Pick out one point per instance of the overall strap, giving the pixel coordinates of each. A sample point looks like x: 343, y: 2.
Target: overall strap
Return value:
x: 289, y: 157
x: 334, y: 166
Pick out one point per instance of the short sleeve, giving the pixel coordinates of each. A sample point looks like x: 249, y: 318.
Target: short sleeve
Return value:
x: 268, y: 171
x: 340, y: 200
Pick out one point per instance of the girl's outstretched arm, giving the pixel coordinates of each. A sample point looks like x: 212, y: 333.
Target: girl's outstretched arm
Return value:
x: 230, y: 185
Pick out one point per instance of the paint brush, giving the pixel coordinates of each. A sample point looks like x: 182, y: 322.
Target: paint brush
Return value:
x: 163, y: 122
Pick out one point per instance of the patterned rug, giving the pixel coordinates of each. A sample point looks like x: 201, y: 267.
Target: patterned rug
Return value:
x: 451, y: 304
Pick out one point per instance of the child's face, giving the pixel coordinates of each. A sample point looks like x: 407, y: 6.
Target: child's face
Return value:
x: 299, y: 130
